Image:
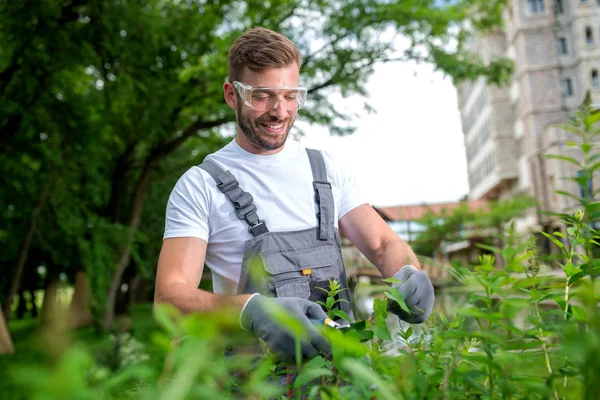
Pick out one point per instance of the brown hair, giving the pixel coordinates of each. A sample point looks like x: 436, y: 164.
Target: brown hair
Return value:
x: 261, y: 48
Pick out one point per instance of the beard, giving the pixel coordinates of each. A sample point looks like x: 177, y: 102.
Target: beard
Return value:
x: 262, y: 141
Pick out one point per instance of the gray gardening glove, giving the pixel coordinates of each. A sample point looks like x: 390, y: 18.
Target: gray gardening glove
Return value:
x: 257, y: 317
x: 417, y: 290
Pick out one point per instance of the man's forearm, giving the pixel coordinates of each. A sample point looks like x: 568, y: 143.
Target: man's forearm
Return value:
x: 393, y: 255
x: 189, y: 299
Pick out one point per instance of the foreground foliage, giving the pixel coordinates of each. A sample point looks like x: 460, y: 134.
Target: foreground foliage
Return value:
x: 520, y: 334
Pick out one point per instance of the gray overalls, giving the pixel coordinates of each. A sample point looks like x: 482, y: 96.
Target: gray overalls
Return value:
x: 289, y: 264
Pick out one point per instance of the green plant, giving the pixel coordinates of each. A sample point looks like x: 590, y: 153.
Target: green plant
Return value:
x: 334, y: 289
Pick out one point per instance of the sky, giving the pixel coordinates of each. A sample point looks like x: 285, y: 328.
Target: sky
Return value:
x: 411, y: 151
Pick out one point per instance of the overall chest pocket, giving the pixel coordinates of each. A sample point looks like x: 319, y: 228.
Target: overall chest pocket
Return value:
x: 303, y: 272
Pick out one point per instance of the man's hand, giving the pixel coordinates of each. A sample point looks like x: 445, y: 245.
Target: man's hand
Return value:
x: 417, y: 290
x: 257, y: 317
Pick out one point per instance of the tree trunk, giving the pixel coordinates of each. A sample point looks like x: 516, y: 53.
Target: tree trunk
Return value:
x: 139, y: 198
x: 6, y: 346
x: 133, y: 289
x: 34, y: 309
x: 22, y: 306
x: 55, y: 323
x: 50, y: 303
x: 79, y: 313
x: 16, y: 282
x: 141, y: 192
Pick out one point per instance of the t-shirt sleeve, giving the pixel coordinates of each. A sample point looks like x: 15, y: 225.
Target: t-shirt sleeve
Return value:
x: 187, y: 208
x: 340, y: 170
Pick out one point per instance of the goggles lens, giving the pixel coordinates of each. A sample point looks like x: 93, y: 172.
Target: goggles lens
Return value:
x: 267, y: 98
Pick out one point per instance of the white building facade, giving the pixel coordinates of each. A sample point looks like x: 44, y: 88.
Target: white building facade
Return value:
x: 555, y: 45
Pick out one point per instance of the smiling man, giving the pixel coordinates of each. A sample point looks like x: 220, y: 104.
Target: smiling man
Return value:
x: 264, y: 201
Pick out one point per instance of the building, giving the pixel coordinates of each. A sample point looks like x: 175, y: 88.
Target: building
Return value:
x: 404, y: 221
x: 555, y: 45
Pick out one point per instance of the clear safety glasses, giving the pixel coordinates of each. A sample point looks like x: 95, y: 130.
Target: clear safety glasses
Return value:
x: 266, y: 98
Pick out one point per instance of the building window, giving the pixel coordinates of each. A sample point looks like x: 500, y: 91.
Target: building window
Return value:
x: 567, y: 87
x: 562, y: 46
x: 589, y: 35
x: 559, y: 6
x: 595, y: 79
x: 535, y: 6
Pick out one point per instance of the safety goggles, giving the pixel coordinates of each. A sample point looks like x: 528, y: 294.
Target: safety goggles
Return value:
x: 266, y: 98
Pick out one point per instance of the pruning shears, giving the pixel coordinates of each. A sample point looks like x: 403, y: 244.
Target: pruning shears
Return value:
x: 345, y: 326
x: 339, y: 325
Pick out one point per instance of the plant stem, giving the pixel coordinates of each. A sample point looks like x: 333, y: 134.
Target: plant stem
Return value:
x: 489, y: 347
x: 543, y: 339
x: 566, y: 313
x: 298, y: 365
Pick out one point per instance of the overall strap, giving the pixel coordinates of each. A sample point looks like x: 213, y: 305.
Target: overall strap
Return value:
x: 243, y: 202
x: 323, y: 194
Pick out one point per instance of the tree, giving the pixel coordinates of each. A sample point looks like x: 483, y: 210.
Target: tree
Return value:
x: 6, y: 345
x: 137, y: 87
x: 447, y: 225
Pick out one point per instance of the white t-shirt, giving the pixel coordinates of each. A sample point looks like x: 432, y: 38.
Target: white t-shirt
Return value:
x: 281, y: 185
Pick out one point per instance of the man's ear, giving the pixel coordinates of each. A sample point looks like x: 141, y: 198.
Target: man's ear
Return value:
x: 230, y: 95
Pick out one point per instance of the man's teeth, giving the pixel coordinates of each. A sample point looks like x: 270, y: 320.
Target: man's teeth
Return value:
x: 274, y: 126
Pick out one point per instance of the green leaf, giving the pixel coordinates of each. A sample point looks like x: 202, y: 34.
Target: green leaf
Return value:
x: 443, y: 319
x: 535, y: 295
x: 571, y: 270
x: 363, y: 332
x: 567, y: 194
x: 407, y: 334
x: 330, y: 303
x: 363, y: 373
x: 555, y: 241
x: 489, y: 248
x: 563, y: 158
x: 579, y: 313
x: 569, y: 128
x: 345, y: 344
x: 395, y: 295
x: 168, y: 317
x: 380, y: 311
x: 309, y: 374
x: 594, y: 167
x: 382, y: 332
x: 339, y: 314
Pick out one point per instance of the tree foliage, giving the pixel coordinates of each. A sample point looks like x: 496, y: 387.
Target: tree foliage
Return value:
x: 462, y: 222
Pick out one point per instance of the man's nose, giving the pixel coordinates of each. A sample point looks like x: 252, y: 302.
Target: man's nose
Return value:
x: 279, y: 110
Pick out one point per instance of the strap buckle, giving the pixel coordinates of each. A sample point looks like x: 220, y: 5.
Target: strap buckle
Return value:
x: 258, y: 228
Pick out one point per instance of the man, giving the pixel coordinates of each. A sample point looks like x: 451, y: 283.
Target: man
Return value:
x: 265, y: 204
